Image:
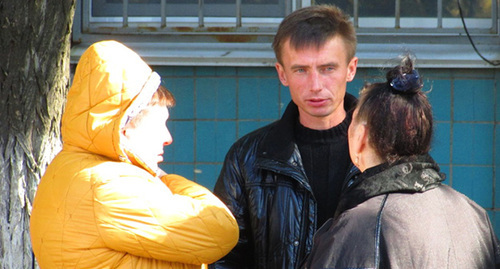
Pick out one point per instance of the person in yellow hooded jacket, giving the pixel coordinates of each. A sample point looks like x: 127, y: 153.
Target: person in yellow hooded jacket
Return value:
x: 103, y: 202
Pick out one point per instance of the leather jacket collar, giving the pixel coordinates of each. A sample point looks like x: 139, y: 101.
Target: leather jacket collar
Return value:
x: 419, y: 174
x: 279, y: 143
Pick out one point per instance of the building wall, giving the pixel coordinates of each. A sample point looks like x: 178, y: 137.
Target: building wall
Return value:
x: 217, y: 105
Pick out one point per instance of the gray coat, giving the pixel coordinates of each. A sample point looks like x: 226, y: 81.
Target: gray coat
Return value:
x: 403, y: 217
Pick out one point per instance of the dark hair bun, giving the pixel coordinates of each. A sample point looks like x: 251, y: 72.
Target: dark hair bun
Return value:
x: 403, y: 78
x: 407, y: 82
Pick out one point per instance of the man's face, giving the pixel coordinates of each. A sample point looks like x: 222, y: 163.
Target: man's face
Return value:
x: 147, y: 136
x: 317, y: 80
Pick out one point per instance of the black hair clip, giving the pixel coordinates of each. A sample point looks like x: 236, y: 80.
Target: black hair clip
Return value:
x: 407, y: 82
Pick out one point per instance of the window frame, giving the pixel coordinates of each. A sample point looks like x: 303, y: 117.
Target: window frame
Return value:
x: 207, y: 41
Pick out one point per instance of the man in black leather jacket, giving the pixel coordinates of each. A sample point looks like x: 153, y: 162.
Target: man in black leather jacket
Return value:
x: 283, y: 181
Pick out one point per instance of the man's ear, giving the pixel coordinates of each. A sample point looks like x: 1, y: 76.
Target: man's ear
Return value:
x: 351, y: 69
x: 281, y: 73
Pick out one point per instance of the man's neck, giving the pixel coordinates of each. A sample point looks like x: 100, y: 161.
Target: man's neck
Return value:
x: 322, y: 123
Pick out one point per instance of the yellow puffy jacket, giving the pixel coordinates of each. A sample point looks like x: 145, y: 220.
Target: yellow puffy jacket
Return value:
x: 98, y: 206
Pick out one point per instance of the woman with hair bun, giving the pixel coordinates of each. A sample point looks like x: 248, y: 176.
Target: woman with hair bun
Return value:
x: 396, y: 213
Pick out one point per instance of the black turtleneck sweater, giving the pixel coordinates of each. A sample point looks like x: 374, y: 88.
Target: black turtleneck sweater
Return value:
x: 325, y: 157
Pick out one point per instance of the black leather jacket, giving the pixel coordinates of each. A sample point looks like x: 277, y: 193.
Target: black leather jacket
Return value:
x: 265, y: 186
x: 401, y: 216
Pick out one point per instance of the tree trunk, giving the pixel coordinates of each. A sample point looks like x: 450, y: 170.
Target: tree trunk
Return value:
x: 34, y: 78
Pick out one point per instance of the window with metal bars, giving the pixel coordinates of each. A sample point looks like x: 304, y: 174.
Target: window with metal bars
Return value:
x: 381, y: 14
x: 247, y: 22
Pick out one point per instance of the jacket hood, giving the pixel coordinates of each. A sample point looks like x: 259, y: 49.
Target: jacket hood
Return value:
x: 111, y: 84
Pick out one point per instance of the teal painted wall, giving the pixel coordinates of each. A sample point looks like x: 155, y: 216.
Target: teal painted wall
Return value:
x: 217, y: 105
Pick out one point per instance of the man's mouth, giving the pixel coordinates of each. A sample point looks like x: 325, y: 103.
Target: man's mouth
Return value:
x: 317, y: 101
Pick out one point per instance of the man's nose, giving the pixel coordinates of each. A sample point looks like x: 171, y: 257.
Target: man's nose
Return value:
x: 316, y: 83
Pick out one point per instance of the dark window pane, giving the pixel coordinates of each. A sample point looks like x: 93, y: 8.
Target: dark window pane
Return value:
x: 380, y: 8
x: 471, y: 9
x: 421, y: 8
x: 345, y: 5
x: 414, y: 8
x: 189, y: 8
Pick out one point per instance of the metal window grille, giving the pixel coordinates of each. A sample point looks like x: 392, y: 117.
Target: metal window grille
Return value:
x: 239, y: 24
x: 240, y: 34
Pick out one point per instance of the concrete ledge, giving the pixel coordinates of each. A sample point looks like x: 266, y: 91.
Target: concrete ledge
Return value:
x: 261, y: 54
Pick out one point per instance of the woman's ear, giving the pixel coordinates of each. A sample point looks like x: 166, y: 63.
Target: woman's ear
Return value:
x: 123, y: 131
x: 363, y: 136
x: 128, y: 129
x: 359, y: 146
x: 360, y: 138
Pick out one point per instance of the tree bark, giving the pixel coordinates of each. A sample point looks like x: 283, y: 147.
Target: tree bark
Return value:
x: 34, y: 78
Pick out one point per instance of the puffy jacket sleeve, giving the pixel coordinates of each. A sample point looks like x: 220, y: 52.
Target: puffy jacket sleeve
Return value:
x: 230, y: 189
x: 172, y: 219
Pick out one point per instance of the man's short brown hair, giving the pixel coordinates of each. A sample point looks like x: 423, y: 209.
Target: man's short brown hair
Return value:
x: 313, y: 26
